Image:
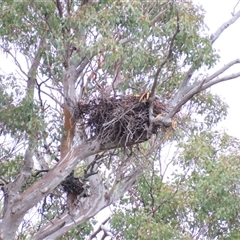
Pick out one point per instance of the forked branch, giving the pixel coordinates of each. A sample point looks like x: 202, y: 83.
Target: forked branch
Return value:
x: 186, y: 91
x: 214, y: 37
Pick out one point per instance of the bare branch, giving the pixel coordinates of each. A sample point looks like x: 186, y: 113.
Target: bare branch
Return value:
x: 33, y: 70
x: 185, y: 92
x: 222, y: 70
x: 188, y: 92
x: 7, y: 50
x: 233, y: 12
x: 214, y: 37
x: 178, y: 101
x: 51, y: 96
x: 224, y: 26
x: 222, y: 79
x: 188, y: 77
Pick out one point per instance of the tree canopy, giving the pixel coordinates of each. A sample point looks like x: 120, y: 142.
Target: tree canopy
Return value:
x: 108, y: 104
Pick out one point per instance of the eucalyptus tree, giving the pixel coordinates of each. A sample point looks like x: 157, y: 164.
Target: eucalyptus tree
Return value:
x: 99, y: 87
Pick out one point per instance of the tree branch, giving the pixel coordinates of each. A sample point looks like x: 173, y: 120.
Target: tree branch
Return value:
x: 214, y: 37
x: 188, y: 77
x: 12, y: 189
x: 222, y: 79
x: 85, y: 208
x: 188, y: 92
x: 82, y: 64
x: 152, y: 93
x: 204, y: 84
x: 94, y: 234
x: 20, y: 204
x: 224, y: 26
x: 157, y: 17
x: 177, y: 102
x: 35, y: 64
x: 29, y: 198
x: 185, y: 92
x: 124, y: 185
x: 222, y: 70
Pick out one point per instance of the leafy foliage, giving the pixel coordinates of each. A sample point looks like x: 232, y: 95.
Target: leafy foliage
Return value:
x: 199, y: 201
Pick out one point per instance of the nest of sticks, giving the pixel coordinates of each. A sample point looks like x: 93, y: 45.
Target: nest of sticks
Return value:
x: 75, y: 185
x: 123, y: 119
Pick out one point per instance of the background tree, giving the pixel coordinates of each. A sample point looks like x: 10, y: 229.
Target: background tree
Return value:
x: 101, y: 88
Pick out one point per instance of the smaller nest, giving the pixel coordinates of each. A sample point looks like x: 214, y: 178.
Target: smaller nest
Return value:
x: 74, y: 185
x: 123, y: 119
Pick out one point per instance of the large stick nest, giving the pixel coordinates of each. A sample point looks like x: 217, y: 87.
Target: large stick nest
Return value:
x: 123, y: 119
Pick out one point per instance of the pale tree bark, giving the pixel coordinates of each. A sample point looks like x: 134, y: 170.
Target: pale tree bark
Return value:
x: 87, y: 207
x: 21, y: 203
x: 28, y: 199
